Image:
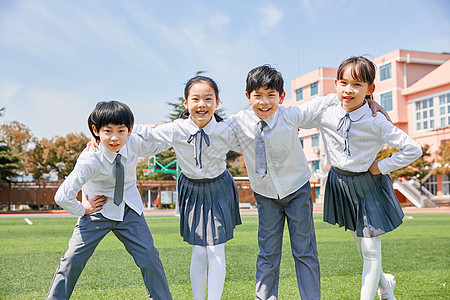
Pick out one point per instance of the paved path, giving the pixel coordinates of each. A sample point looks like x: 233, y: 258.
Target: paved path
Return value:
x: 318, y: 208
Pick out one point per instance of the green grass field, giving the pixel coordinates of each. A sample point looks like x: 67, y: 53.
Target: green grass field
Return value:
x: 417, y: 253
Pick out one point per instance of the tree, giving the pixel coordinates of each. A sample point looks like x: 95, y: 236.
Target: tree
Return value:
x: 16, y: 135
x: 417, y: 169
x: 10, y: 163
x: 58, y: 154
x: 444, y: 154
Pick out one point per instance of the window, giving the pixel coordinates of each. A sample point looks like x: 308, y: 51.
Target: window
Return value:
x: 444, y: 110
x: 385, y: 72
x: 314, y: 165
x: 317, y: 192
x: 386, y: 101
x: 424, y: 114
x: 314, y: 88
x: 431, y: 184
x: 315, y: 140
x: 301, y: 141
x: 299, y: 94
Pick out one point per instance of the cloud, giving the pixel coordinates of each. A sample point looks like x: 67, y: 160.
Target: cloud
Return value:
x: 270, y: 16
x: 8, y: 91
x: 73, y: 29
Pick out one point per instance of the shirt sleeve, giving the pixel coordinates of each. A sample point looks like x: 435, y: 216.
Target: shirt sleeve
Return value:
x: 307, y: 115
x: 231, y: 137
x: 66, y: 194
x: 161, y: 133
x: 146, y: 147
x: 408, y: 149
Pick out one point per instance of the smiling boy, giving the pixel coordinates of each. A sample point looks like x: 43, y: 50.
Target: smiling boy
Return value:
x: 279, y: 176
x: 111, y: 173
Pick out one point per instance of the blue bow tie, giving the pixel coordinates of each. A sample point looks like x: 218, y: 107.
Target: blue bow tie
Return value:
x: 345, y: 124
x: 198, y: 137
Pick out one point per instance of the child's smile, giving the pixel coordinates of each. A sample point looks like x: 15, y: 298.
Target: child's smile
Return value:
x: 201, y: 103
x: 265, y: 102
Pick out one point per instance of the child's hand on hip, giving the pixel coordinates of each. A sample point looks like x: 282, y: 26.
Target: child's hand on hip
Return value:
x: 93, y: 205
x: 373, y: 169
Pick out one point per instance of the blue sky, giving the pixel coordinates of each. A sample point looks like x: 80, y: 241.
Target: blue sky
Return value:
x: 59, y: 58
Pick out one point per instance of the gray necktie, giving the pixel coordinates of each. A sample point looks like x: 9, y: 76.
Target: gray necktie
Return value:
x: 118, y: 190
x: 260, y: 150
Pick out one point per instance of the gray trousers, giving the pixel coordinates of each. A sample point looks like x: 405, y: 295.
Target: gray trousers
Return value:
x: 297, y: 209
x: 133, y: 232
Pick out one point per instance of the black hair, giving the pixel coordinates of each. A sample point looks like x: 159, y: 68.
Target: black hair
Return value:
x: 264, y: 77
x: 361, y: 69
x: 110, y: 112
x: 197, y: 79
x: 185, y: 113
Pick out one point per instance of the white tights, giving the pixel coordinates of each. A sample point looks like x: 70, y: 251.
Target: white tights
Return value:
x: 201, y: 257
x: 372, y: 276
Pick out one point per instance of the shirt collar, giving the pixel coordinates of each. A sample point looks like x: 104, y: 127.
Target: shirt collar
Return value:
x: 208, y: 129
x: 111, y: 156
x: 356, y: 114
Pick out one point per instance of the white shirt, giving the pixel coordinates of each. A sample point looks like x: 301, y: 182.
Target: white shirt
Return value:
x: 287, y: 166
x: 177, y: 133
x: 367, y: 136
x: 94, y: 174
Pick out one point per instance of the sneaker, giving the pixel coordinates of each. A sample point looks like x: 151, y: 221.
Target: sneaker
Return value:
x: 389, y: 294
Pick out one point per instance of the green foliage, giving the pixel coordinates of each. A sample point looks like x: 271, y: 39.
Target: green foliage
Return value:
x: 416, y: 253
x: 10, y: 163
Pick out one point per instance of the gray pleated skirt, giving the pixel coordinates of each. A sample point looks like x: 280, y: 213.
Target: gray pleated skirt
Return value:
x: 361, y: 202
x: 209, y: 209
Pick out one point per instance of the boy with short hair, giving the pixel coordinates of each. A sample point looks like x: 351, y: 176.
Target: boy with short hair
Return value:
x: 111, y: 173
x: 279, y: 176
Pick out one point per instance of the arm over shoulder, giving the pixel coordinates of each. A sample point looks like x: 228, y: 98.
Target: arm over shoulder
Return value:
x: 146, y: 147
x: 161, y: 133
x: 307, y: 115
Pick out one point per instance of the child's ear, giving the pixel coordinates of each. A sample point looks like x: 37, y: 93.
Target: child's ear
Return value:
x: 371, y: 89
x: 185, y: 103
x: 248, y: 97
x: 283, y: 94
x: 217, y: 102
x: 94, y: 129
x: 129, y: 131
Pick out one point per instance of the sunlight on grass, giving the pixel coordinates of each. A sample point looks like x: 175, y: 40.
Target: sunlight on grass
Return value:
x: 416, y: 253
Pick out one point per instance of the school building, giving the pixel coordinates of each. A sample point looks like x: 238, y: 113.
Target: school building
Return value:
x: 414, y: 88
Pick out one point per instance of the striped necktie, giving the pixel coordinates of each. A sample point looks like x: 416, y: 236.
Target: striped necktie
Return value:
x: 260, y: 150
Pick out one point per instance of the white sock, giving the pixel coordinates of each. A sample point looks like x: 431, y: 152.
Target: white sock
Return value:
x: 199, y: 262
x: 217, y: 271
x: 372, y: 276
x: 201, y: 257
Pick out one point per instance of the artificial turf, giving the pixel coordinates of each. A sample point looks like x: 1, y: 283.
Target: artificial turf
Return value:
x: 417, y: 253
